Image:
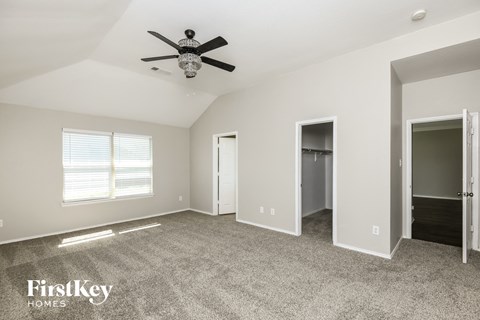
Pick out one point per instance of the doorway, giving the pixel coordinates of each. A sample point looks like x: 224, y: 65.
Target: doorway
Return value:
x: 436, y: 180
x: 441, y: 165
x: 225, y: 173
x: 316, y: 178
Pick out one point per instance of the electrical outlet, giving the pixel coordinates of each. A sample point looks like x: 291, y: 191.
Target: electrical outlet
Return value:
x: 180, y: 198
x: 1, y: 223
x: 376, y: 230
x: 262, y: 209
x: 272, y: 211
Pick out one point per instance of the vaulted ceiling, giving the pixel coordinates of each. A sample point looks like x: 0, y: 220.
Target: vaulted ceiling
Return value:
x: 84, y: 56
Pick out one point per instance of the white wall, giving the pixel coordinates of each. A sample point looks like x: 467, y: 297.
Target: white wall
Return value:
x: 31, y: 174
x: 442, y: 96
x: 356, y: 88
x: 396, y: 214
x: 313, y: 184
x: 437, y: 163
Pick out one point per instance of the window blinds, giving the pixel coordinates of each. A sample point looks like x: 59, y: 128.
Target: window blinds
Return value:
x: 105, y: 165
x: 133, y: 165
x: 87, y: 168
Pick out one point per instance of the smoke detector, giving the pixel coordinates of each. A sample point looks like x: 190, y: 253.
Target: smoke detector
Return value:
x: 419, y: 15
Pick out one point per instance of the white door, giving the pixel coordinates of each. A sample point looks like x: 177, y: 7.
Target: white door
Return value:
x: 467, y: 185
x: 226, y: 175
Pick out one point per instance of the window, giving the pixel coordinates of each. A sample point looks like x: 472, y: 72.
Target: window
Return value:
x: 100, y: 165
x: 133, y: 165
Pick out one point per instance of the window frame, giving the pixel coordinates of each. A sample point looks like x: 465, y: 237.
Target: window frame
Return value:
x: 112, y: 197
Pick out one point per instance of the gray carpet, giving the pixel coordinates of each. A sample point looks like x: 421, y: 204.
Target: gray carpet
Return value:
x: 196, y: 266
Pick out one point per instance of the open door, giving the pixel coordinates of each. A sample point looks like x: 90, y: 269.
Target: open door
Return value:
x: 467, y: 185
x: 226, y: 175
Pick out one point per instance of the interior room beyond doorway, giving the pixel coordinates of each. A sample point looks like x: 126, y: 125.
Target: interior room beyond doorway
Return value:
x: 317, y: 180
x: 436, y: 180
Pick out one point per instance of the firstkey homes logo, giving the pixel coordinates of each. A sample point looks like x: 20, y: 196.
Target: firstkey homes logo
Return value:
x: 52, y: 295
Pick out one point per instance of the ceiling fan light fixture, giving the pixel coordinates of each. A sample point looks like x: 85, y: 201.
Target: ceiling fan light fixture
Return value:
x: 189, y: 52
x: 190, y: 63
x: 190, y: 71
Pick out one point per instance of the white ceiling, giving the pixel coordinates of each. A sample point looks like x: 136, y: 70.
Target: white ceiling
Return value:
x: 443, y: 62
x: 114, y: 91
x: 99, y: 43
x: 40, y: 36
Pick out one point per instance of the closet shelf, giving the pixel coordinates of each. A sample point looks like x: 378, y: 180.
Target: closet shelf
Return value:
x: 322, y: 152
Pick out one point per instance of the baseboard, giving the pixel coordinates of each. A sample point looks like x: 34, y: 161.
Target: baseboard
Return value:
x: 267, y: 227
x: 312, y: 212
x: 91, y: 227
x: 200, y: 211
x: 435, y: 197
x: 396, y: 248
x: 373, y: 253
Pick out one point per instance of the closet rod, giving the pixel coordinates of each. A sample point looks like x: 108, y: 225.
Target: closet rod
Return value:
x: 317, y: 151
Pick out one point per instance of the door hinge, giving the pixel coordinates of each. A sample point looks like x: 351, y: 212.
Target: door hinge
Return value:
x: 472, y: 228
x: 472, y: 179
x: 472, y: 130
x: 413, y: 207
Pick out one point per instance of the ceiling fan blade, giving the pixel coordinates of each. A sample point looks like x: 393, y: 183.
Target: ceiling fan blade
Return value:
x: 212, y: 44
x: 170, y: 42
x: 160, y: 58
x: 218, y: 64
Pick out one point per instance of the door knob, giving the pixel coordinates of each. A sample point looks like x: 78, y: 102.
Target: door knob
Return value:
x: 465, y: 194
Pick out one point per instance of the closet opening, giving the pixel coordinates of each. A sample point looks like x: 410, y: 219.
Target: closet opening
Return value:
x: 316, y: 180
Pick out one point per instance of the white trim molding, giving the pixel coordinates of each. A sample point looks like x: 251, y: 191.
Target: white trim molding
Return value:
x: 396, y: 248
x: 267, y: 227
x: 435, y: 197
x: 201, y: 211
x: 298, y: 173
x: 306, y: 214
x: 370, y: 252
x: 91, y: 227
x: 476, y: 189
x: 84, y: 202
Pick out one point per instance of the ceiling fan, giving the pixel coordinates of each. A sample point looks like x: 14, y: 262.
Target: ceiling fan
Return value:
x: 190, y: 51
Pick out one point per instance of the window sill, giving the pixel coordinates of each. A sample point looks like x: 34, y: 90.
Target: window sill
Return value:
x: 82, y: 202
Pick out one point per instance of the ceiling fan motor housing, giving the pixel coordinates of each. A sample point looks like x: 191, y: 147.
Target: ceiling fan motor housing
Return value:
x: 190, y: 33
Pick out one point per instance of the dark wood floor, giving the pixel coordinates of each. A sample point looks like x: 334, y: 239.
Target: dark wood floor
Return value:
x: 437, y: 220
